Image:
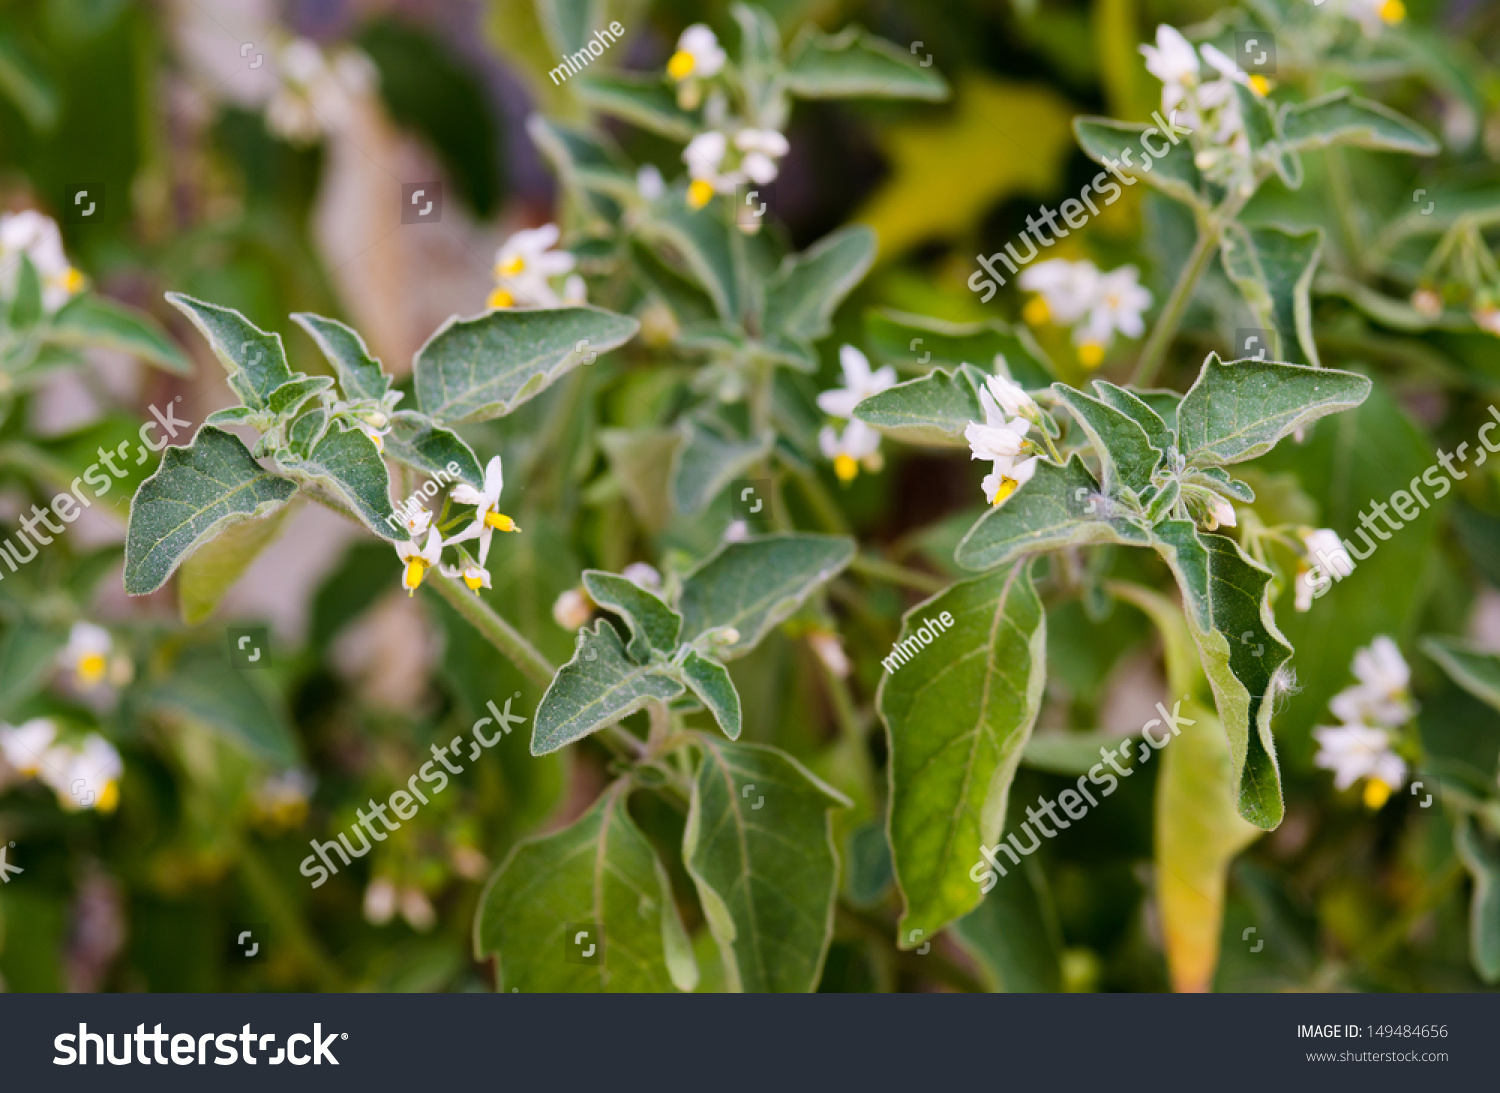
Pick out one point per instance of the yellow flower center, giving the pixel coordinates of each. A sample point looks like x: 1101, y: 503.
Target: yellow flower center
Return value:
x: 71, y: 280
x: 415, y: 568
x: 1036, y: 312
x: 501, y: 298
x: 500, y: 522
x: 1091, y: 354
x: 1393, y: 11
x: 1008, y: 486
x: 109, y: 797
x: 91, y: 668
x: 1376, y: 793
x: 511, y: 266
x: 474, y: 581
x: 699, y: 193
x: 846, y: 467
x: 680, y: 65
x: 1262, y: 86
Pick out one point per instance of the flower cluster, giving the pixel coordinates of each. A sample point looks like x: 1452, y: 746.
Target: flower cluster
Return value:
x: 85, y: 774
x: 317, y: 91
x: 527, y: 267
x: 1370, y: 712
x: 1009, y: 412
x: 1095, y: 304
x: 1327, y: 555
x: 425, y: 547
x: 35, y: 237
x: 857, y: 444
x: 1371, y: 15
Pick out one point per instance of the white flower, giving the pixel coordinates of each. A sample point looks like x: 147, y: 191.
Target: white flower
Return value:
x: 1380, y: 696
x: 1011, y: 397
x: 1174, y: 62
x: 1220, y: 514
x: 1006, y: 478
x: 996, y: 439
x: 698, y: 54
x: 475, y: 576
x: 649, y: 183
x: 380, y: 901
x: 1065, y: 290
x: 1326, y: 553
x: 572, y: 609
x: 419, y: 559
x: 858, y: 445
x: 1372, y: 15
x: 761, y: 148
x: 314, y: 93
x: 859, y: 384
x: 35, y: 236
x: 417, y: 909
x: 1359, y: 751
x: 575, y: 290
x: 737, y: 531
x: 416, y: 520
x: 704, y: 155
x: 1118, y: 305
x: 523, y: 266
x: 642, y: 574
x: 24, y: 748
x: 87, y: 652
x: 488, y: 518
x: 830, y: 651
x: 91, y: 778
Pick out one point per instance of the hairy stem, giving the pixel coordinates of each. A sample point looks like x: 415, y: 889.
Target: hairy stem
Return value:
x: 499, y: 633
x: 1155, y: 350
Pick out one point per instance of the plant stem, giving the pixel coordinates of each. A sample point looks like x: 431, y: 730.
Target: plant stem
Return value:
x: 889, y: 571
x: 278, y: 907
x: 1155, y: 350
x: 499, y: 633
x: 931, y: 965
x: 822, y: 502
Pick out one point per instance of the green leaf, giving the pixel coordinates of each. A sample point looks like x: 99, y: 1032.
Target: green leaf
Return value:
x: 706, y: 462
x: 29, y: 90
x: 360, y: 375
x: 759, y: 847
x: 1241, y: 650
x: 957, y: 721
x: 1473, y: 667
x: 26, y: 308
x: 1482, y: 858
x: 1060, y: 506
x: 27, y: 657
x: 599, y: 871
x: 293, y: 395
x: 699, y: 240
x: 598, y: 687
x: 900, y: 336
x: 1174, y: 174
x: 205, y: 690
x: 805, y: 292
x: 1262, y: 127
x: 1198, y: 833
x: 254, y: 359
x: 760, y: 60
x: 641, y: 460
x: 1237, y: 410
x: 653, y: 625
x: 484, y: 367
x: 1273, y: 269
x: 346, y: 464
x: 643, y: 100
x: 710, y: 682
x: 933, y: 409
x: 1125, y: 451
x: 1140, y: 411
x: 1014, y: 936
x: 307, y: 430
x: 1342, y: 117
x: 754, y: 584
x: 88, y: 319
x: 415, y: 440
x: 211, y: 572
x: 856, y: 64
x: 195, y: 494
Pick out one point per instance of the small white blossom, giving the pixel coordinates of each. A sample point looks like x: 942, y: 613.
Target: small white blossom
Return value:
x: 1174, y: 62
x: 1006, y: 478
x: 997, y: 438
x: 416, y: 521
x: 830, y: 650
x: 1065, y: 290
x: 1358, y: 751
x: 762, y: 148
x: 1011, y: 397
x: 35, y: 236
x: 1220, y: 514
x: 1119, y: 305
x: 24, y: 747
x: 698, y: 55
x: 1380, y: 697
x: 857, y: 446
x: 91, y: 777
x: 649, y: 183
x: 1327, y: 554
x: 639, y: 573
x: 418, y: 560
x: 488, y: 518
x: 87, y: 652
x: 525, y: 264
x: 572, y: 609
x: 380, y: 901
x: 859, y: 384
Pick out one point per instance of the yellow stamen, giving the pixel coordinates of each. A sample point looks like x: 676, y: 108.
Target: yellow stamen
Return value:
x: 1260, y: 85
x: 680, y: 65
x: 846, y: 467
x: 474, y: 583
x: 500, y: 522
x: 1376, y: 793
x: 91, y: 668
x: 1008, y: 486
x: 415, y: 568
x: 699, y: 193
x: 1036, y: 312
x: 500, y: 298
x: 1393, y: 11
x: 109, y: 797
x: 72, y: 280
x: 511, y: 266
x: 1091, y: 354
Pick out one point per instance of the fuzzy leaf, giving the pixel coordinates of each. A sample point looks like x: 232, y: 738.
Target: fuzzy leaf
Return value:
x: 211, y: 572
x: 204, y: 689
x: 759, y: 847
x: 346, y: 463
x: 653, y: 625
x: 642, y: 100
x: 1273, y: 269
x: 856, y: 64
x: 88, y: 319
x: 254, y: 359
x: 1481, y: 857
x: 957, y: 720
x: 932, y: 409
x: 598, y: 687
x: 641, y: 460
x: 599, y: 871
x: 706, y: 462
x: 1237, y: 410
x: 360, y: 375
x: 1342, y: 117
x: 900, y: 336
x: 1013, y: 935
x: 293, y: 395
x: 1060, y: 506
x: 1473, y: 667
x: 195, y: 494
x: 1140, y: 411
x: 419, y: 442
x: 710, y: 682
x: 1174, y: 174
x: 699, y: 240
x: 484, y: 367
x: 755, y: 584
x: 1125, y: 451
x: 805, y: 292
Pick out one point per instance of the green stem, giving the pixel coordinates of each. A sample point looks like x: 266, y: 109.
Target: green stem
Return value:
x: 889, y: 571
x: 279, y: 908
x: 1155, y: 350
x: 499, y: 633
x: 827, y: 509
